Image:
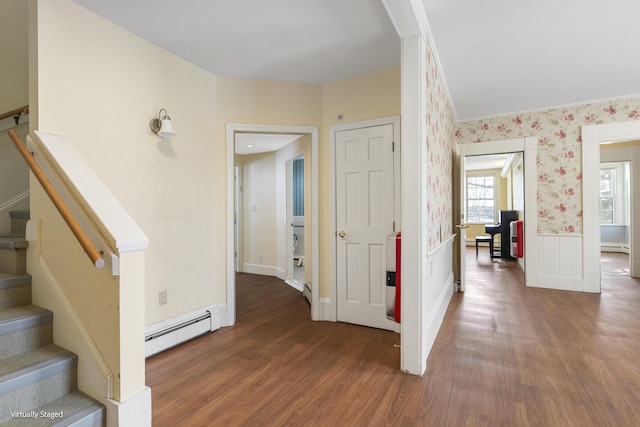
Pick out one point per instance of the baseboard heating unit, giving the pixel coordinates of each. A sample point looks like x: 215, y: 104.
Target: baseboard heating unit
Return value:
x: 306, y: 291
x: 169, y: 333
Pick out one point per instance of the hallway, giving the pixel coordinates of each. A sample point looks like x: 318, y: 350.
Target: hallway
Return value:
x: 506, y: 355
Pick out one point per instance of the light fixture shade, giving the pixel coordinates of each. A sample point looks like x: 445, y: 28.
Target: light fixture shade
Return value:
x: 162, y: 125
x: 166, y: 128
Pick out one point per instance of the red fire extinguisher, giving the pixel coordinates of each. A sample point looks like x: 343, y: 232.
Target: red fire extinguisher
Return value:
x: 394, y: 289
x: 517, y: 238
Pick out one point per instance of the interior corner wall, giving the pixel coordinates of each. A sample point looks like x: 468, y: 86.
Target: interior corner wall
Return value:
x: 304, y: 104
x: 14, y: 73
x: 359, y: 98
x: 259, y: 213
x: 102, y: 99
x: 301, y: 146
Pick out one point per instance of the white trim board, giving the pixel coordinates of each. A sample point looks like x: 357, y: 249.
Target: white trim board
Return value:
x: 529, y: 146
x: 314, y: 217
x: 592, y: 137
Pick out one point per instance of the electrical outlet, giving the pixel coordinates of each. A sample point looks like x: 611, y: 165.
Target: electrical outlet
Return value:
x: 162, y: 296
x: 260, y: 258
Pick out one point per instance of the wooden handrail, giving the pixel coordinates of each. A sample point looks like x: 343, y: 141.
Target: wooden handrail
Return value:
x: 68, y: 217
x: 17, y: 111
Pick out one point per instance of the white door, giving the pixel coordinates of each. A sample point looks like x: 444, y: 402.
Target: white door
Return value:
x: 364, y: 218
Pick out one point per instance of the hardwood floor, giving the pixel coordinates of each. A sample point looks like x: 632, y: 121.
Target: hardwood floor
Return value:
x: 506, y: 355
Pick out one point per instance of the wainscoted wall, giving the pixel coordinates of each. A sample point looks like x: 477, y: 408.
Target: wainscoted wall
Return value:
x: 559, y: 199
x: 436, y: 296
x: 560, y: 261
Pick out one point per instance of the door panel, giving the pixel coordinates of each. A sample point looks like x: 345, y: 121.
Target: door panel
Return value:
x: 365, y: 213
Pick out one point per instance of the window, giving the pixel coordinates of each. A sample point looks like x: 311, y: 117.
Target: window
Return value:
x: 607, y: 195
x: 298, y: 187
x: 481, y: 202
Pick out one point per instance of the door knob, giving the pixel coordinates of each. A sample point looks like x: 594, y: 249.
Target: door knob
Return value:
x: 342, y: 234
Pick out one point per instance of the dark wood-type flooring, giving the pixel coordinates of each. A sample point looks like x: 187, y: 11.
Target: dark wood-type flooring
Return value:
x: 506, y: 355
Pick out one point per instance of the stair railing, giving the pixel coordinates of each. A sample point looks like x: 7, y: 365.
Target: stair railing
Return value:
x: 65, y: 212
x: 15, y: 113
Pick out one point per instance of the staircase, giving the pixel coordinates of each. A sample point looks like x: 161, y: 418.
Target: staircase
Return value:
x: 37, y: 378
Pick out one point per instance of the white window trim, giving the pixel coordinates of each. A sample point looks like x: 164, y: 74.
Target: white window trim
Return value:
x: 620, y: 194
x: 497, y: 191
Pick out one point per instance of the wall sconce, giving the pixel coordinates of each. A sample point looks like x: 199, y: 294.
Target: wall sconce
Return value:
x: 162, y: 125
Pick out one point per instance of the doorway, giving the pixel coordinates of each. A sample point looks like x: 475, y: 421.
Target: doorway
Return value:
x: 493, y: 195
x: 311, y: 258
x: 528, y: 148
x: 618, y: 162
x: 592, y: 137
x: 296, y: 219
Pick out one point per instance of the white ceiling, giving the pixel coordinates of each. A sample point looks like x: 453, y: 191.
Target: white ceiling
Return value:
x: 497, y: 56
x: 253, y: 143
x: 492, y: 161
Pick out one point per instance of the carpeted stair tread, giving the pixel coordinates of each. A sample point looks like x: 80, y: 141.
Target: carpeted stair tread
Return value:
x: 29, y: 315
x: 76, y: 409
x: 33, y: 366
x: 12, y: 242
x: 22, y: 318
x: 20, y: 214
x: 30, y: 359
x: 9, y: 280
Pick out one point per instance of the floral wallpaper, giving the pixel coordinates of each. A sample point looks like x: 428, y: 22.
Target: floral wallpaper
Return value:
x: 440, y: 145
x: 559, y: 161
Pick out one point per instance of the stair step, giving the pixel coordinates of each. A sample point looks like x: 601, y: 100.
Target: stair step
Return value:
x: 30, y: 367
x: 36, y: 378
x: 20, y: 214
x: 15, y: 290
x: 13, y: 254
x: 12, y: 242
x: 24, y: 329
x: 19, y: 220
x: 75, y: 409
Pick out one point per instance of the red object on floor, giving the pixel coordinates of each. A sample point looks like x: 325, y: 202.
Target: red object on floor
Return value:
x: 398, y: 266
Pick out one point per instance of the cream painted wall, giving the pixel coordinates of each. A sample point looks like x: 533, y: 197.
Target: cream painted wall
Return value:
x: 300, y: 147
x: 364, y: 97
x: 14, y: 176
x: 259, y: 225
x: 102, y: 100
x: 14, y: 75
x: 270, y: 102
x: 264, y: 185
x: 172, y: 187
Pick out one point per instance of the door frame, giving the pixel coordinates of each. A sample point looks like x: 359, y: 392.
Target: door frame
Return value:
x: 592, y: 137
x: 312, y: 131
x: 528, y: 146
x: 331, y: 306
x: 289, y: 248
x: 237, y: 166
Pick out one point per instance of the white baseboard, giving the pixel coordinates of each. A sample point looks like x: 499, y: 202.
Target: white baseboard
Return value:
x: 133, y: 412
x: 223, y: 314
x: 436, y: 316
x: 327, y: 312
x: 265, y: 270
x: 614, y: 247
x: 171, y: 332
x: 559, y: 283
